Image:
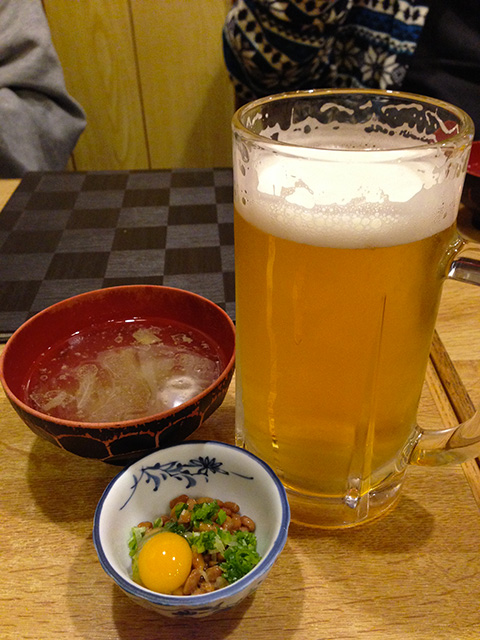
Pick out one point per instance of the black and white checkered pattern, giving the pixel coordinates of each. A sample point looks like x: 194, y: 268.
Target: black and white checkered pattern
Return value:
x: 65, y: 233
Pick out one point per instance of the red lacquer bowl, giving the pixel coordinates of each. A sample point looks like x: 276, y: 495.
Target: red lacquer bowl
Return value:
x: 125, y: 441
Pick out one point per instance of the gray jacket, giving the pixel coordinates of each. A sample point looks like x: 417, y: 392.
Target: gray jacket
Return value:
x: 39, y: 122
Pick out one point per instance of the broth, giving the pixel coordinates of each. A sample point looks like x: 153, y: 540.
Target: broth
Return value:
x: 123, y: 371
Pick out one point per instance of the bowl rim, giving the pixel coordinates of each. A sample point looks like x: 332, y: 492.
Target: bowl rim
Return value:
x: 209, y: 598
x: 227, y: 369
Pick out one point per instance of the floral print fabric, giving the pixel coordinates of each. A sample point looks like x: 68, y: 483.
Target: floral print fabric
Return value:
x: 280, y: 45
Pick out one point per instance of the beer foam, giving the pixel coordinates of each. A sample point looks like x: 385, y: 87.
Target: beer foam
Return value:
x: 353, y: 199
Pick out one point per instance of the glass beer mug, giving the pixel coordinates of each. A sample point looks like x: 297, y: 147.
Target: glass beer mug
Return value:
x: 345, y: 229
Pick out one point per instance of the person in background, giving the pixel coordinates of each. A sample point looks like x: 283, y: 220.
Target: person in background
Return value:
x: 40, y: 122
x: 426, y: 47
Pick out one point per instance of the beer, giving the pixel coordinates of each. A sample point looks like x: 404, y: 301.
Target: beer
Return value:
x: 345, y: 210
x: 332, y: 346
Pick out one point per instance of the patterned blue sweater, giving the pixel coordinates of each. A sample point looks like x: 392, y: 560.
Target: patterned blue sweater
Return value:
x: 278, y: 45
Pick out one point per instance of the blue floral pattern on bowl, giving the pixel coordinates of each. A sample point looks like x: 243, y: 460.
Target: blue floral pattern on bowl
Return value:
x: 201, y: 466
x: 143, y: 491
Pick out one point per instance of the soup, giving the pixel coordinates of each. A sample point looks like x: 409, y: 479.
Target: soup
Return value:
x: 123, y: 371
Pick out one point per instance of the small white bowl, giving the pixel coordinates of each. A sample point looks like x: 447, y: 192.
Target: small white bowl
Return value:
x: 142, y: 492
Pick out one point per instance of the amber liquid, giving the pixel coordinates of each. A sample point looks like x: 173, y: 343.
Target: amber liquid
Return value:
x: 332, y: 348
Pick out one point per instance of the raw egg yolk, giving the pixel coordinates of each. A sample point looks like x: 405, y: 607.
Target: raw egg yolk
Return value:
x: 164, y: 562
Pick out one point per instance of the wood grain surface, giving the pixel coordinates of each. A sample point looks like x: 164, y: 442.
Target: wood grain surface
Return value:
x: 414, y: 574
x: 151, y: 77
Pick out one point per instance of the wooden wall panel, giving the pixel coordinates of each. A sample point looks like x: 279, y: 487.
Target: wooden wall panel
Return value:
x: 188, y: 98
x: 94, y: 41
x: 151, y: 77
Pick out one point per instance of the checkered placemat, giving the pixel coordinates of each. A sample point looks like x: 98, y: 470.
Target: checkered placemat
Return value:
x: 64, y: 233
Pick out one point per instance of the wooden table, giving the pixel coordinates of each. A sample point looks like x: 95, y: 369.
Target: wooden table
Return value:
x: 413, y: 574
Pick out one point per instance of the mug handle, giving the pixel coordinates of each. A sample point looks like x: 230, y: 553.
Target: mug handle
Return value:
x: 460, y: 443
